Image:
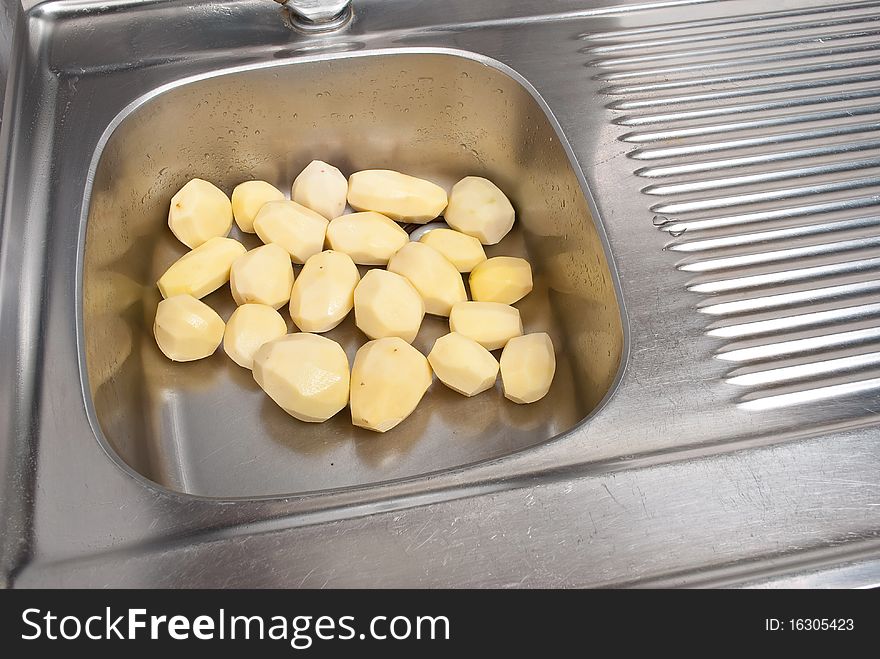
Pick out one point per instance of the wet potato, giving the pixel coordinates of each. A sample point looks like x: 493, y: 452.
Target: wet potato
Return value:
x: 307, y: 374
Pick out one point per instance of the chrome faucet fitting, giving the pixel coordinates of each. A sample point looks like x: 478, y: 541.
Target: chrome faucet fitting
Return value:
x: 318, y: 13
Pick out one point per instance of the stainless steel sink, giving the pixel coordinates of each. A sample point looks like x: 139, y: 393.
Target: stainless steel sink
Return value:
x: 697, y: 183
x: 205, y: 428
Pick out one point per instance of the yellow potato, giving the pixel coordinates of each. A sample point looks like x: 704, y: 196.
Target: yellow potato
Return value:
x: 247, y: 200
x: 528, y: 365
x: 199, y: 211
x: 399, y: 196
x: 264, y: 275
x: 490, y: 324
x: 463, y: 365
x: 249, y: 327
x: 504, y: 279
x: 463, y: 251
x: 478, y: 208
x: 305, y: 374
x: 187, y: 329
x: 323, y: 294
x: 386, y: 304
x: 203, y: 270
x: 294, y: 227
x: 435, y: 278
x: 322, y: 188
x: 388, y: 379
x: 368, y: 238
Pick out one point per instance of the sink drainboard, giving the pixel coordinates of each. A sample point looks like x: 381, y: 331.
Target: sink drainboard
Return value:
x: 757, y: 139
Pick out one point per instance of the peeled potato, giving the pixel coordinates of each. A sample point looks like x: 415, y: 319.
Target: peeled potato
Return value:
x: 490, y: 324
x: 187, y: 329
x: 504, y: 279
x: 435, y: 278
x: 305, y: 374
x: 247, y: 200
x: 199, y: 211
x: 528, y: 365
x: 368, y: 238
x: 463, y: 251
x: 480, y: 209
x: 463, y: 365
x: 203, y: 270
x: 388, y: 379
x: 399, y: 196
x: 323, y: 294
x: 386, y: 304
x: 294, y: 227
x: 322, y: 188
x: 249, y: 327
x: 263, y: 275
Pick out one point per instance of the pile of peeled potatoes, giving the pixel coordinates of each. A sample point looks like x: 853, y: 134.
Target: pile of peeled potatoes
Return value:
x: 308, y: 374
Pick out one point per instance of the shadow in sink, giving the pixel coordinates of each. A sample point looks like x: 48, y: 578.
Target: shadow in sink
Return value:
x: 204, y: 428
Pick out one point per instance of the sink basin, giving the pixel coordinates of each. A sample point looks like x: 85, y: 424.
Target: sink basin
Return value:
x: 206, y: 428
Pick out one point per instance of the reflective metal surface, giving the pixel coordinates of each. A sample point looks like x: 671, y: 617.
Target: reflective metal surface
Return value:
x: 319, y: 12
x: 771, y: 209
x: 206, y: 428
x: 730, y: 154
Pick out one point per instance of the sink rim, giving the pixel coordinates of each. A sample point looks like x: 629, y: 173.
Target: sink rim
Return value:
x: 365, y: 488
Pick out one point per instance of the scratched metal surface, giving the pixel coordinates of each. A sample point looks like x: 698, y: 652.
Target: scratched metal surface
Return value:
x: 731, y: 154
x: 206, y: 428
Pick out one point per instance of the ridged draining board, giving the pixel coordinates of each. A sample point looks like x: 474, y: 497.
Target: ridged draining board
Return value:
x: 758, y: 141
